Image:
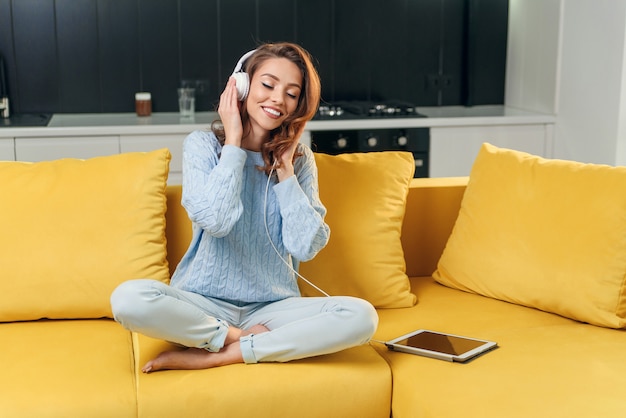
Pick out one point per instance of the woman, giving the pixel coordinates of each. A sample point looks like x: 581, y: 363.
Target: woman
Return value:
x: 234, y: 296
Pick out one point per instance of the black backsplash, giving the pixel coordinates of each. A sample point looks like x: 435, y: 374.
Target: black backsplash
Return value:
x: 73, y: 56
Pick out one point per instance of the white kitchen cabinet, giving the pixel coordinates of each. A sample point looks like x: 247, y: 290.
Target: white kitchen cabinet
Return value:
x: 53, y: 148
x: 456, y: 132
x: 7, y: 150
x: 173, y: 142
x: 453, y: 149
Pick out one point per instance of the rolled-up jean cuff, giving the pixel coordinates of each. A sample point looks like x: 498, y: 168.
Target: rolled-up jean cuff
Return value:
x: 217, y: 342
x: 246, y: 343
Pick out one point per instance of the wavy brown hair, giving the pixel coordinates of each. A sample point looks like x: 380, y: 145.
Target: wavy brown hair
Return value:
x: 281, y: 138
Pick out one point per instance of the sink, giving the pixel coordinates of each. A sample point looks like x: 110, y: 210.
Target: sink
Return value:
x: 26, y: 119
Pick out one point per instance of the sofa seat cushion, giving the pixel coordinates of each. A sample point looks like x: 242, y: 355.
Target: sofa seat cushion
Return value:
x: 75, y: 368
x: 546, y: 365
x: 72, y: 230
x: 351, y: 383
x: 365, y: 195
x: 549, y: 234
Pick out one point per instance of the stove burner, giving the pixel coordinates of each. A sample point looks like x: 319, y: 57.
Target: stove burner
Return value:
x: 391, y: 110
x: 327, y: 110
x: 364, y: 109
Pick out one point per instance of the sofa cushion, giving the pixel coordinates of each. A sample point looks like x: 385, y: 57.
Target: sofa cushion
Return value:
x: 365, y: 195
x: 67, y: 368
x: 548, y: 234
x: 352, y: 383
x: 72, y: 230
x: 546, y: 365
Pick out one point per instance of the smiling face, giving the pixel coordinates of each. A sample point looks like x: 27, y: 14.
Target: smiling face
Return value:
x: 275, y: 88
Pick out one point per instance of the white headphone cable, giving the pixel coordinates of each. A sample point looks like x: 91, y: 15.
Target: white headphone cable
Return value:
x: 267, y: 186
x: 267, y: 230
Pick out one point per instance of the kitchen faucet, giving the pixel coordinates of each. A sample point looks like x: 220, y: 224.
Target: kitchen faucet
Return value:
x: 4, y: 94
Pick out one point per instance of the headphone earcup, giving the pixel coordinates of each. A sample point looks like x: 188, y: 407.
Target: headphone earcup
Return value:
x: 243, y: 85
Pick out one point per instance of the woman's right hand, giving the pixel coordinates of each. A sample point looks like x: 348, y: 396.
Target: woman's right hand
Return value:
x: 229, y: 111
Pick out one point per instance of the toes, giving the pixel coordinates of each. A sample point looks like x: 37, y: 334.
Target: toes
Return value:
x: 148, y: 367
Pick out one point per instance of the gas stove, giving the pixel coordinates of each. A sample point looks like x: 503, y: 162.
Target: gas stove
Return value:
x: 414, y: 140
x: 345, y: 110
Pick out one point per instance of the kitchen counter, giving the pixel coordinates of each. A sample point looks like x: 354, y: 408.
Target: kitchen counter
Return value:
x: 86, y: 124
x: 456, y: 134
x: 443, y: 116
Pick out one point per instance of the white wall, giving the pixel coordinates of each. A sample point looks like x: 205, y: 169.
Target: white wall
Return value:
x: 621, y: 130
x: 568, y: 57
x: 532, y: 55
x: 591, y: 80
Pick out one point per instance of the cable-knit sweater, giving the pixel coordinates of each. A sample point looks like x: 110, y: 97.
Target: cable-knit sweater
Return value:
x: 230, y: 256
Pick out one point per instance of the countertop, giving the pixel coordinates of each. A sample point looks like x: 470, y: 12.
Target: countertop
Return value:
x: 86, y: 124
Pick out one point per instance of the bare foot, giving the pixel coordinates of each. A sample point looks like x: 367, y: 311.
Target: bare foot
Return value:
x: 197, y: 358
x: 194, y: 359
x: 235, y: 333
x: 255, y: 329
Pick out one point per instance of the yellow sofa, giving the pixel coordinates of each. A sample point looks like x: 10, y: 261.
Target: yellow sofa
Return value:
x: 546, y: 365
x: 59, y: 365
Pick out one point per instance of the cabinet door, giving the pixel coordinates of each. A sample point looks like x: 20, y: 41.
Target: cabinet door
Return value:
x: 454, y: 149
x: 173, y: 142
x: 45, y: 149
x: 7, y: 149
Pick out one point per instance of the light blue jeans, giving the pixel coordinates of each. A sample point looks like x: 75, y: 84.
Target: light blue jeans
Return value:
x: 299, y: 327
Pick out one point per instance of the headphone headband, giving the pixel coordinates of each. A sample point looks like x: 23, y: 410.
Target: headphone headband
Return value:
x: 242, y: 60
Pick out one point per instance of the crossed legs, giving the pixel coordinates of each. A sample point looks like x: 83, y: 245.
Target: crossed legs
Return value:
x: 218, y: 333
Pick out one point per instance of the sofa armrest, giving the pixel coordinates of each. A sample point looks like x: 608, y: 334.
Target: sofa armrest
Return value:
x: 432, y: 208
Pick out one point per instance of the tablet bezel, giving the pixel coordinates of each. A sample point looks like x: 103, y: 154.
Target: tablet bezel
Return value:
x: 460, y: 358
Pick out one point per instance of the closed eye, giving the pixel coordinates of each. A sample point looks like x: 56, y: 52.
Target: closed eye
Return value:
x: 271, y: 87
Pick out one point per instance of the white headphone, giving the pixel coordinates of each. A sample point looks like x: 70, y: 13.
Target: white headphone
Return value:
x: 241, y: 78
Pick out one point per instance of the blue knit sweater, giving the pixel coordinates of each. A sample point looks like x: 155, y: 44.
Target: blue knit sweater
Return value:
x: 230, y: 256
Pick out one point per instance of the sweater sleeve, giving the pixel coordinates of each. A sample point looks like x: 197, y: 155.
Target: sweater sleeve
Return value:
x: 304, y: 231
x: 212, y: 183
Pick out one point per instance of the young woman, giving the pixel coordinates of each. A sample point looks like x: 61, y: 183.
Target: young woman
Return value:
x: 251, y: 192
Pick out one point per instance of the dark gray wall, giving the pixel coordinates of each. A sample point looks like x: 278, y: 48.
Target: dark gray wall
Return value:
x: 93, y: 55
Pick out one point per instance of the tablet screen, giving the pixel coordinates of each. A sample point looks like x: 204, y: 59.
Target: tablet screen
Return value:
x: 442, y: 343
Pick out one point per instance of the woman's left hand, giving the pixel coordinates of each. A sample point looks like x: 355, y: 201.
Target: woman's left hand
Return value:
x: 285, y: 167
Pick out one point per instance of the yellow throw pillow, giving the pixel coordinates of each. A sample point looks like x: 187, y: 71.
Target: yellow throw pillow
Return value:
x: 549, y: 234
x: 365, y: 195
x: 72, y: 230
